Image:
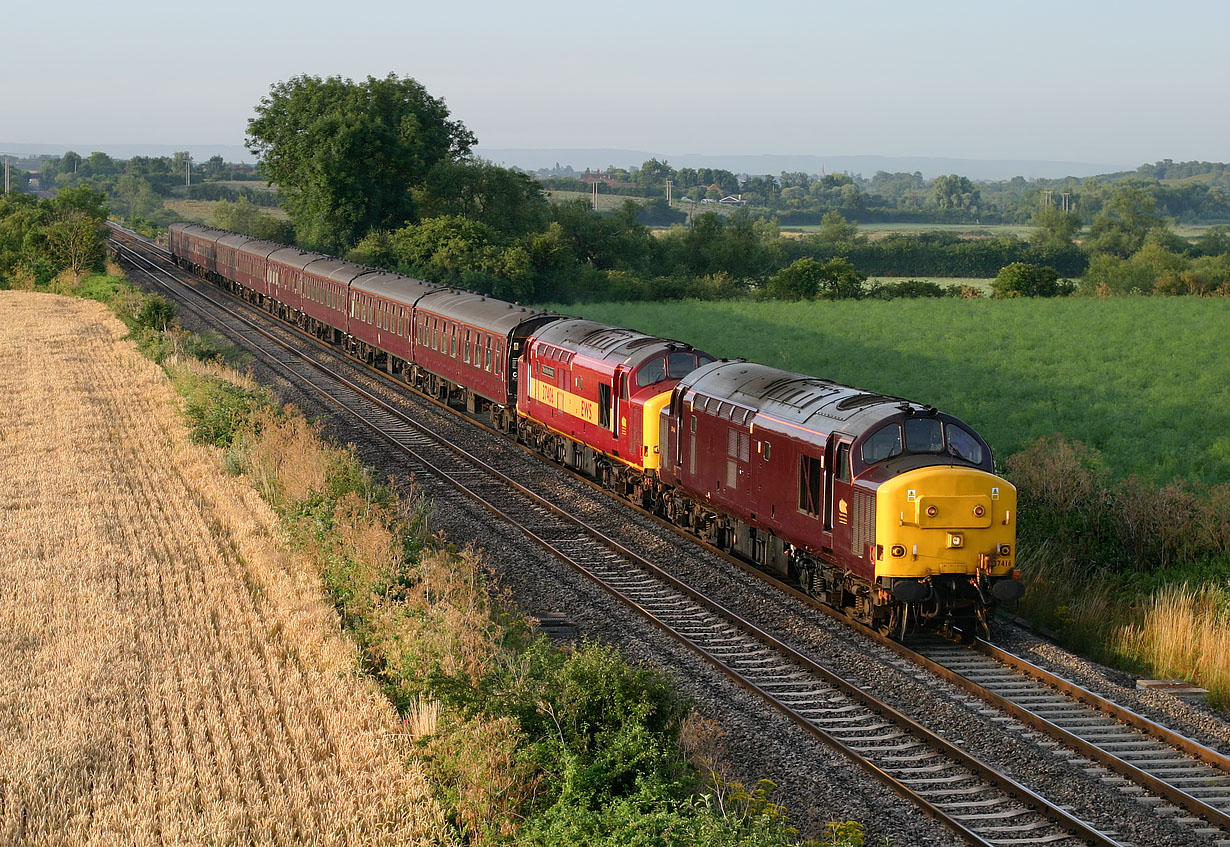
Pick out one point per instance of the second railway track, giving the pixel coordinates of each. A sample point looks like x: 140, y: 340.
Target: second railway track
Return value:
x: 934, y: 773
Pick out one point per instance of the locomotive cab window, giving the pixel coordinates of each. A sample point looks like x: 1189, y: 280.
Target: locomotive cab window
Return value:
x: 924, y: 435
x: 962, y: 444
x: 652, y: 372
x: 679, y: 365
x: 883, y: 444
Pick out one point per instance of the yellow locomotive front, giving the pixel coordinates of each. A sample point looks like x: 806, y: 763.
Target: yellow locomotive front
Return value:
x: 946, y: 542
x: 945, y: 524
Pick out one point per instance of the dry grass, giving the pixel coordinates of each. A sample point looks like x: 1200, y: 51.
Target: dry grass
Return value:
x: 1183, y: 634
x: 167, y: 674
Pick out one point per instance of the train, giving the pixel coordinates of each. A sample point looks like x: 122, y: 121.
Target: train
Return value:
x: 884, y: 508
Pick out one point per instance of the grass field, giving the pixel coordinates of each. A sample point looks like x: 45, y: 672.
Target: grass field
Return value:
x: 974, y: 282
x: 1143, y: 380
x: 201, y: 211
x: 606, y: 202
x: 167, y: 674
x: 974, y: 230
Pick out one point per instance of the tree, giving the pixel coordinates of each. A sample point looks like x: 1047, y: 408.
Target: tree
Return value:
x: 835, y: 229
x: 654, y: 174
x: 1021, y: 279
x: 75, y: 240
x: 346, y: 154
x: 215, y: 168
x: 498, y: 197
x: 1124, y: 222
x: 955, y: 192
x: 794, y: 179
x: 807, y: 279
x: 1054, y: 228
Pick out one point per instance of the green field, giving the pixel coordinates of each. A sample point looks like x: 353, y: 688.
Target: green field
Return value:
x: 202, y: 210
x: 606, y: 202
x: 1143, y: 380
x: 972, y: 230
x: 972, y: 281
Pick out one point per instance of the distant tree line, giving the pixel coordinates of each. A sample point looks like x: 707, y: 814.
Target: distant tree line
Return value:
x: 379, y: 171
x: 1197, y: 192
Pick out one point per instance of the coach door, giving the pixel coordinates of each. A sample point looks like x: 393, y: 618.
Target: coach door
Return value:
x: 838, y: 490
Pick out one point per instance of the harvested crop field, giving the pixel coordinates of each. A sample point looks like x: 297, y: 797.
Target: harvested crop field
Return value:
x: 168, y: 674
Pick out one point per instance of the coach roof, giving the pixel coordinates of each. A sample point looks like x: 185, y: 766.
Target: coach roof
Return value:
x: 496, y: 316
x: 293, y: 257
x: 402, y: 289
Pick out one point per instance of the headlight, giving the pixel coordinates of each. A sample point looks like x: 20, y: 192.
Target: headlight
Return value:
x: 932, y: 511
x: 979, y: 511
x: 1005, y: 550
x: 898, y: 551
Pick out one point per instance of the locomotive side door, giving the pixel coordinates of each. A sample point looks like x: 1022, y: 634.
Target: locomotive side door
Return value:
x: 838, y: 490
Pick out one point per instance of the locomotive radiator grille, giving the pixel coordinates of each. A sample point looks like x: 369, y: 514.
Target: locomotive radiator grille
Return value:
x: 863, y: 522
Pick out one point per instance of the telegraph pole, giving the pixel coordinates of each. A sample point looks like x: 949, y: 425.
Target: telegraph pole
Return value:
x: 188, y: 171
x: 6, y: 173
x: 668, y: 192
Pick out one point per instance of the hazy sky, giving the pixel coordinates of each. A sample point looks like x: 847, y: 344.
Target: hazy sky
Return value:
x: 1121, y: 82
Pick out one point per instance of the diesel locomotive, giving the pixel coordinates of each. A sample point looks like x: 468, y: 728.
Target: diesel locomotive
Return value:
x: 887, y: 509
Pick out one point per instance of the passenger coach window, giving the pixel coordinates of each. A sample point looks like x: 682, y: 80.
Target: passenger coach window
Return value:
x: 923, y: 435
x: 883, y: 444
x: 962, y: 444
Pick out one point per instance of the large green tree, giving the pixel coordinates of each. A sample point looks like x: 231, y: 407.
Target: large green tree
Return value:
x: 346, y: 155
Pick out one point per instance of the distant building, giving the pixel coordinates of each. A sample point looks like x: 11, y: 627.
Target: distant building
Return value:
x: 603, y: 178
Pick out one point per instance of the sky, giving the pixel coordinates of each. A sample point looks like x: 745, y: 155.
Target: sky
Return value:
x: 1115, y: 82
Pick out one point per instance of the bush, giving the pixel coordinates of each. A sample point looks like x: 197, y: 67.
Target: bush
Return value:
x: 808, y: 279
x: 1067, y: 498
x: 1021, y: 279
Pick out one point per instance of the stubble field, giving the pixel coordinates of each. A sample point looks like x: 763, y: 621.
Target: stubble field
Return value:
x: 168, y: 675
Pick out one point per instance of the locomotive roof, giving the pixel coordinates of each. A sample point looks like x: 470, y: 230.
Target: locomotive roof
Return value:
x: 391, y: 286
x: 612, y: 344
x: 496, y: 316
x: 805, y: 401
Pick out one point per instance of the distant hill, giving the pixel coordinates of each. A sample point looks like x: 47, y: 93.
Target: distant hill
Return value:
x: 982, y: 169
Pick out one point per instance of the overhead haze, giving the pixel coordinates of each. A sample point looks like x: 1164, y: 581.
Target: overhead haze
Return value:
x: 1106, y: 85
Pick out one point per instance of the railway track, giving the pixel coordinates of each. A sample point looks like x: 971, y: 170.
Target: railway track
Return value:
x: 985, y: 807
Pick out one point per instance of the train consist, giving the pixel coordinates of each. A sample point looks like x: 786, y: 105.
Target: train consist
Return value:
x: 882, y: 507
